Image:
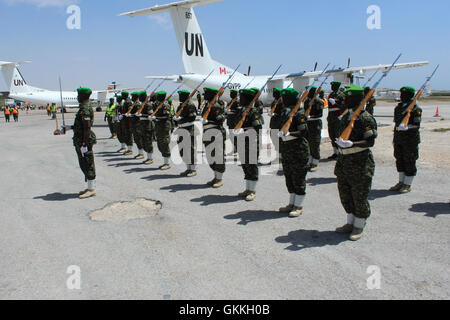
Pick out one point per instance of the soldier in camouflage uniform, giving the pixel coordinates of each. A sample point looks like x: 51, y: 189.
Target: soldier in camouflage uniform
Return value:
x: 248, y: 143
x: 186, y: 127
x: 135, y: 126
x: 84, y: 139
x: 275, y: 123
x: 233, y: 119
x: 163, y: 127
x: 335, y: 108
x: 294, y: 149
x: 120, y: 137
x: 125, y: 123
x: 314, y: 128
x: 355, y: 165
x: 147, y: 127
x: 406, y: 140
x: 214, y: 126
x: 370, y: 106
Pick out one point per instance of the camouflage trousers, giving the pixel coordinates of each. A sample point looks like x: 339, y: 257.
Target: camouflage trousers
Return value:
x: 162, y: 131
x: 314, y: 138
x: 217, y: 150
x: 127, y: 135
x: 86, y: 162
x: 148, y: 134
x: 188, y: 158
x: 406, y: 155
x: 118, y: 130
x: 248, y: 155
x: 334, y: 126
x: 354, y: 173
x: 137, y: 132
x: 111, y: 126
x: 295, y: 156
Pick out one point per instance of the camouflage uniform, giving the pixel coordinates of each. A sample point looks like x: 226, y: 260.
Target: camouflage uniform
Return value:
x: 334, y: 111
x: 117, y: 125
x: 86, y: 161
x: 371, y: 105
x: 355, y: 171
x: 232, y: 121
x: 275, y: 124
x: 315, y: 129
x: 216, y: 118
x: 163, y: 128
x: 406, y: 143
x: 125, y: 124
x: 136, y: 127
x: 186, y: 123
x: 147, y: 128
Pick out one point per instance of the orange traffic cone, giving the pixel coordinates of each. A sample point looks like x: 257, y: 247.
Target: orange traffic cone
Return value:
x: 437, y: 112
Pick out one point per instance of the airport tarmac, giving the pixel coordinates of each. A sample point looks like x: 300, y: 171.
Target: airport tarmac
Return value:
x: 208, y: 244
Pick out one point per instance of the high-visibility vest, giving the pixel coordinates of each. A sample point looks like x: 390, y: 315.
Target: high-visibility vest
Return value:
x: 15, y: 110
x: 53, y: 108
x: 7, y: 111
x: 325, y: 103
x: 111, y: 110
x: 48, y: 108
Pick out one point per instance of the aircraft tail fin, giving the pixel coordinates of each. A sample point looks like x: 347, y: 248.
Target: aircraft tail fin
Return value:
x: 194, y: 51
x: 12, y: 76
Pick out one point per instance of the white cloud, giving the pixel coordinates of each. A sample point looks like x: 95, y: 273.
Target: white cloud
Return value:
x: 163, y: 20
x: 44, y: 3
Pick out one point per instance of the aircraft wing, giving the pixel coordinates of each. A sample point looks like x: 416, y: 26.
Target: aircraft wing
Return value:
x: 167, y: 7
x: 346, y: 72
x: 168, y: 78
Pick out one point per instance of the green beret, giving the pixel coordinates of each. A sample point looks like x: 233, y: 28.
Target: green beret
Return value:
x: 367, y: 88
x: 211, y: 90
x: 161, y: 93
x: 290, y: 92
x: 248, y: 92
x: 84, y: 90
x: 170, y: 100
x: 336, y: 83
x: 234, y: 91
x: 255, y: 90
x: 142, y: 93
x: 184, y: 92
x: 313, y: 88
x: 135, y: 94
x: 276, y: 89
x: 125, y: 93
x: 119, y: 96
x: 408, y: 89
x: 353, y: 90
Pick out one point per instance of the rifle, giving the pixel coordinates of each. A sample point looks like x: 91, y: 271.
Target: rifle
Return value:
x: 370, y: 79
x: 348, y: 131
x: 218, y: 94
x: 238, y: 127
x: 417, y: 97
x: 285, y: 129
x: 235, y: 98
x: 149, y: 97
x: 178, y: 114
x: 162, y: 103
x: 134, y: 103
x: 272, y: 111
x: 308, y: 112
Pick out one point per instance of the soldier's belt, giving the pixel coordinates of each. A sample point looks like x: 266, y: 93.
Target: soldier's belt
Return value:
x: 314, y: 119
x: 209, y: 126
x: 288, y: 138
x: 145, y: 119
x: 354, y: 150
x: 334, y: 109
x: 187, y: 124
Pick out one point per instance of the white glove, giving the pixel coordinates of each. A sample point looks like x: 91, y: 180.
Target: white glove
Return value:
x: 237, y: 132
x: 340, y: 117
x: 332, y: 101
x: 177, y: 118
x: 271, y: 114
x: 203, y: 121
x: 151, y: 118
x: 138, y: 115
x: 402, y: 127
x: 344, y: 143
x: 127, y: 115
x: 84, y: 150
x: 120, y: 117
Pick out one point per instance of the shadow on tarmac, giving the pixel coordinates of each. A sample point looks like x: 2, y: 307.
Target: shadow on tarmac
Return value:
x: 380, y: 193
x: 319, y: 181
x: 301, y: 239
x: 431, y: 209
x: 215, y: 199
x: 185, y: 187
x: 255, y: 216
x: 58, y: 196
x: 160, y: 176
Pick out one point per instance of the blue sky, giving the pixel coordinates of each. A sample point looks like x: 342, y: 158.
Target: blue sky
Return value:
x: 260, y: 33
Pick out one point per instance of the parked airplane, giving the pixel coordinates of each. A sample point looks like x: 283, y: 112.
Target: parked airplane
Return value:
x: 198, y: 61
x: 21, y: 91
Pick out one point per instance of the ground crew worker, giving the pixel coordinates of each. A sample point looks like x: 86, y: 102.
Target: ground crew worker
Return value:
x: 294, y: 149
x: 275, y: 123
x: 109, y: 116
x: 163, y: 126
x: 49, y: 111
x: 15, y: 112
x: 335, y: 108
x: 314, y: 128
x: 125, y: 123
x: 233, y: 119
x: 186, y: 130
x: 7, y: 112
x: 213, y: 131
x: 355, y: 165
x: 322, y: 98
x: 84, y: 139
x: 118, y: 128
x: 53, y: 111
x: 147, y: 127
x: 406, y: 140
x: 134, y: 124
x: 370, y: 106
x: 248, y: 144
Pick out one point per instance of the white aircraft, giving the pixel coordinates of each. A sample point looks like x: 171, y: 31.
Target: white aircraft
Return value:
x: 198, y: 62
x: 21, y: 91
